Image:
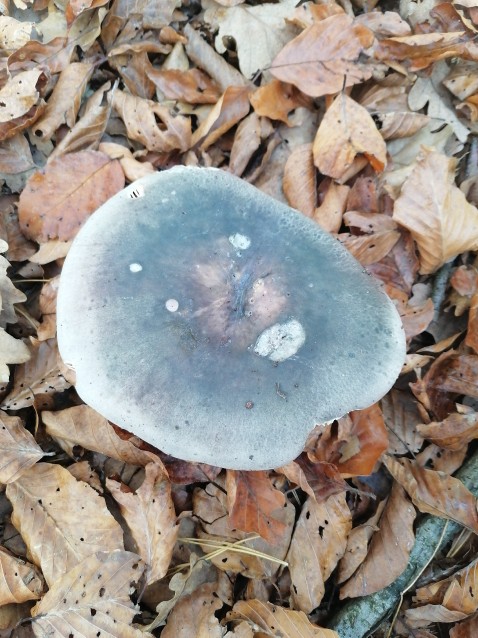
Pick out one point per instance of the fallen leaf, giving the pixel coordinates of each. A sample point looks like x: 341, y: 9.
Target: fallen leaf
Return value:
x: 324, y: 58
x: 93, y: 598
x: 277, y: 621
x: 81, y: 425
x: 276, y: 100
x: 389, y: 549
x: 132, y: 167
x: 259, y: 32
x: 253, y: 503
x: 18, y: 449
x: 192, y: 86
x: 318, y: 480
x: 12, y: 351
x: 330, y: 212
x: 465, y: 629
x: 318, y: 543
x: 19, y: 95
x: 58, y: 199
x: 402, y: 418
x: 454, y: 432
x: 43, y: 373
x: 346, y: 130
x: 300, y: 180
x: 20, y: 581
x: 13, y: 33
x: 151, y: 519
x: 16, y: 156
x: 43, y: 500
x: 246, y: 142
x: 194, y: 615
x: 368, y: 249
x: 435, y: 492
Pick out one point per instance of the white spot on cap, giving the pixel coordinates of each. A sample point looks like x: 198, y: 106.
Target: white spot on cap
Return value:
x: 241, y: 242
x: 280, y: 341
x: 172, y: 305
x: 135, y: 267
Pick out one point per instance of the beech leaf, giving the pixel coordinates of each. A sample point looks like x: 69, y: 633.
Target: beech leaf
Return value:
x: 19, y: 581
x: 18, y: 448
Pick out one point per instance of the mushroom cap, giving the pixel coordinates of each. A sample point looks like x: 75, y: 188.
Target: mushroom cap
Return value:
x: 218, y: 324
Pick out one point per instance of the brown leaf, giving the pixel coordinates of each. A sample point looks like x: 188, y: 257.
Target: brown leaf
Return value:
x: 194, y: 615
x: 427, y: 207
x: 324, y: 57
x: 389, y: 549
x: 346, y: 130
x: 11, y: 351
x: 466, y: 629
x: 64, y: 103
x: 454, y: 432
x: 276, y: 100
x: 58, y: 199
x: 48, y: 503
x: 401, y: 417
x: 247, y: 140
x: 141, y: 117
x: 19, y: 580
x: 151, y: 519
x: 81, y: 425
x: 318, y: 480
x: 192, y: 86
x: 277, y: 621
x: 435, y: 492
x: 330, y: 212
x: 417, y: 317
x: 318, y: 543
x: 368, y: 249
x: 231, y: 108
x: 15, y: 155
x: 53, y: 55
x: 300, y: 180
x: 18, y: 449
x: 252, y: 502
x: 93, y: 597
x: 44, y: 373
x: 19, y: 95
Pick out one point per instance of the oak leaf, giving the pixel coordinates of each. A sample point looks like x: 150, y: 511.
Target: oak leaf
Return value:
x: 93, y: 598
x: 151, y: 519
x: 18, y: 449
x: 324, y: 57
x: 61, y: 520
x: 346, y: 130
x: 435, y: 211
x: 58, y: 199
x: 277, y: 621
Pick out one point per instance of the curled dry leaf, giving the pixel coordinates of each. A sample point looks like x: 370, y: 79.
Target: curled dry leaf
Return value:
x: 247, y: 140
x: 192, y: 86
x: 346, y: 130
x: 277, y: 621
x: 133, y: 168
x: 93, y: 598
x: 435, y: 492
x: 11, y: 351
x: 47, y: 303
x: 42, y: 500
x: 324, y: 57
x: 318, y: 480
x: 43, y: 373
x: 454, y: 432
x: 229, y: 110
x: 141, y: 116
x: 194, y: 615
x: 151, y: 519
x: 19, y: 95
x: 64, y: 103
x: 435, y: 211
x: 254, y: 504
x: 330, y: 212
x: 318, y: 543
x: 18, y: 449
x: 276, y: 100
x: 58, y: 199
x: 389, y: 548
x: 19, y: 581
x: 300, y: 180
x: 9, y: 295
x: 81, y: 425
x: 465, y: 629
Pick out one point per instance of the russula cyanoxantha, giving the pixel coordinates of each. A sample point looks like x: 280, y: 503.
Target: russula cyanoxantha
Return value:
x: 218, y: 324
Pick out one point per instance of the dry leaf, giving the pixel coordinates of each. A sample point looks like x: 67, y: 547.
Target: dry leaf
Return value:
x: 191, y: 86
x: 194, y: 615
x: 454, y: 432
x: 276, y: 100
x: 43, y: 373
x: 300, y: 180
x: 253, y: 504
x: 19, y: 95
x: 81, y: 425
x: 323, y: 59
x: 19, y: 581
x: 319, y: 480
x: 58, y: 199
x: 435, y: 211
x: 62, y: 520
x: 259, y: 32
x: 13, y: 33
x: 402, y: 417
x: 346, y: 130
x: 18, y: 449
x: 277, y: 621
x: 151, y: 519
x: 330, y: 212
x: 368, y: 249
x: 141, y: 117
x: 93, y: 598
x: 246, y: 142
x: 435, y: 492
x: 389, y: 549
x: 466, y: 629
x: 318, y: 543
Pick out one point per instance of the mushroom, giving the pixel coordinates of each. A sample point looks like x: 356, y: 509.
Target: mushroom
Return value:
x: 218, y: 324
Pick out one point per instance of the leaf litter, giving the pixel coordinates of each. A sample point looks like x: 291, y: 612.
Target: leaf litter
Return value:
x: 365, y: 121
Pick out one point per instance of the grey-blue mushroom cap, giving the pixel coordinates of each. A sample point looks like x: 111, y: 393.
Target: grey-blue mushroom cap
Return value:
x: 218, y: 324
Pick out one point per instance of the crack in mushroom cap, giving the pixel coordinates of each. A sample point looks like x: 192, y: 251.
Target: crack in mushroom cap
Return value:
x: 218, y: 324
